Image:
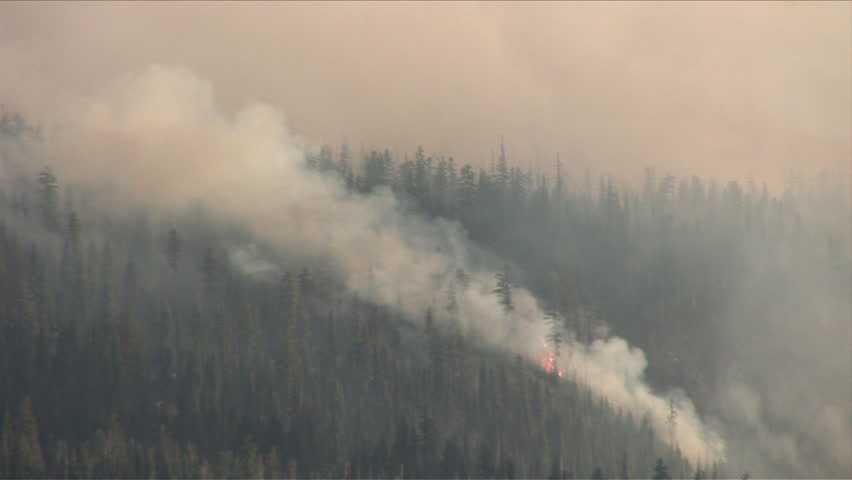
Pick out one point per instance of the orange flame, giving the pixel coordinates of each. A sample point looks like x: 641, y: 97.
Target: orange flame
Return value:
x: 548, y: 363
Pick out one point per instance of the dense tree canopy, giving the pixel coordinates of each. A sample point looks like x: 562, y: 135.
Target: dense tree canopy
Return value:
x: 121, y: 358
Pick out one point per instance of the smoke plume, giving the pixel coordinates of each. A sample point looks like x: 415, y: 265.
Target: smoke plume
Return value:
x: 717, y: 89
x: 161, y: 131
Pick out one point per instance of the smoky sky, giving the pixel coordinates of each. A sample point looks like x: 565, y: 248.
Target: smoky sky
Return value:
x: 161, y: 130
x: 730, y: 89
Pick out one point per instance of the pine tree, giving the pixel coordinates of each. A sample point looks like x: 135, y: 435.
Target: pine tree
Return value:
x: 7, y: 439
x: 427, y: 443
x: 502, y: 177
x: 49, y: 198
x: 287, y: 292
x: 173, y: 249
x: 504, y: 290
x: 661, y: 472
x: 106, y: 293
x: 209, y: 270
x: 452, y: 461
x: 554, y: 336
x: 485, y: 460
x: 73, y: 232
x: 27, y: 458
x: 555, y: 469
x: 467, y: 187
x: 306, y: 283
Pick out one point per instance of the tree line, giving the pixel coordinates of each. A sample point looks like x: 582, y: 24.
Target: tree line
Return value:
x: 133, y: 347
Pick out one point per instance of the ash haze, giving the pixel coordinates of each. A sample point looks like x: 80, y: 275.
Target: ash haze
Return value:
x: 172, y: 109
x: 729, y: 89
x: 165, y: 126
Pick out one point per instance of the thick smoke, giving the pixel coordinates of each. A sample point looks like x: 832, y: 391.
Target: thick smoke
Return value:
x: 724, y: 89
x: 785, y: 391
x: 159, y: 140
x: 729, y: 90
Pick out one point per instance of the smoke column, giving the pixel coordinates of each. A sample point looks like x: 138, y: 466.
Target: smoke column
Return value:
x: 159, y: 139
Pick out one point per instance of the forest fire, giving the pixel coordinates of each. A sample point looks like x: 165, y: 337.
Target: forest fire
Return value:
x: 548, y: 363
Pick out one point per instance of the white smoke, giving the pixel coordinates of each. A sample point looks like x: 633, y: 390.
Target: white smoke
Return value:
x: 251, y: 262
x: 159, y: 139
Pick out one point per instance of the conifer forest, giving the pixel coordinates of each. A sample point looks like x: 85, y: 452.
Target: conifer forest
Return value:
x: 192, y: 287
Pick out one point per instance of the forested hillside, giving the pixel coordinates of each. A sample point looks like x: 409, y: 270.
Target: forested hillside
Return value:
x: 140, y: 346
x: 738, y: 295
x: 660, y: 264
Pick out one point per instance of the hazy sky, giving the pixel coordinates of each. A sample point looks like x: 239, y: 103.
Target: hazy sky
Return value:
x: 723, y: 89
x: 729, y: 89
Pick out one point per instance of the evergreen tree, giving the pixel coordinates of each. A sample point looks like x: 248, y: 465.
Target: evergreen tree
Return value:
x: 26, y: 458
x: 467, y: 187
x: 48, y: 193
x: 250, y: 380
x: 504, y: 290
x: 554, y: 336
x: 210, y: 270
x: 502, y: 177
x: 173, y: 248
x: 661, y: 472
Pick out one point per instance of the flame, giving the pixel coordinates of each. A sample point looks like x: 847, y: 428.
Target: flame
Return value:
x: 548, y: 363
